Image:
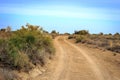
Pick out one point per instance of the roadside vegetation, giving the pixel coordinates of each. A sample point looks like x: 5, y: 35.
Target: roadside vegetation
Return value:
x: 105, y: 41
x: 54, y: 34
x: 25, y: 48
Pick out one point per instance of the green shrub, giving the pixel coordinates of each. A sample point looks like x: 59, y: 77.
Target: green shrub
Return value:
x: 26, y: 48
x: 19, y: 60
x: 82, y: 32
x: 79, y: 39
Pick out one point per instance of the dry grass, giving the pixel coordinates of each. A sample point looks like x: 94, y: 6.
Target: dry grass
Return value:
x: 6, y: 74
x: 106, y: 41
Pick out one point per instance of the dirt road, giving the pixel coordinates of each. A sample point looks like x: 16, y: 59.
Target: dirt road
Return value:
x: 75, y: 63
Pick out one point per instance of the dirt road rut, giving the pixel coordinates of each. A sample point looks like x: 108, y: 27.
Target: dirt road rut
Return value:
x: 75, y: 63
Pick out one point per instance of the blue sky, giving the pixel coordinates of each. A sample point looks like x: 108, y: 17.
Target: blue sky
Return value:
x: 62, y: 15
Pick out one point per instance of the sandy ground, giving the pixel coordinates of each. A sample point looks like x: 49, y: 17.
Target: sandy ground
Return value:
x: 78, y: 62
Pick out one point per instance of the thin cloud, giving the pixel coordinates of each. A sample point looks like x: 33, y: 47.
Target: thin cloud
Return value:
x: 85, y: 13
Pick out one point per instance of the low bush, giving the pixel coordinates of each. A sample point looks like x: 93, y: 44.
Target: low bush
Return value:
x: 106, y: 41
x: 70, y: 37
x: 80, y: 38
x: 26, y: 48
x: 82, y: 32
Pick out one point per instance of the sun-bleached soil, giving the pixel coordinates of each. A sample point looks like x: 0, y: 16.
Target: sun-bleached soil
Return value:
x: 80, y: 62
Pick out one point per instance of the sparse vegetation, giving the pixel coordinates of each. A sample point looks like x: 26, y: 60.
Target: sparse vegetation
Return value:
x: 25, y: 48
x: 54, y: 34
x: 106, y: 41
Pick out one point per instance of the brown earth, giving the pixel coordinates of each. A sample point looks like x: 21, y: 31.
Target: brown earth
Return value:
x: 78, y: 62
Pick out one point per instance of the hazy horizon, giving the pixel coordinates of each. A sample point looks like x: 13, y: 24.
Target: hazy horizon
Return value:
x: 62, y: 16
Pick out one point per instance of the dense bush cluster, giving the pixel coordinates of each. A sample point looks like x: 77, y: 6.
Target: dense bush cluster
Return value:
x: 106, y: 41
x: 26, y: 48
x: 82, y: 32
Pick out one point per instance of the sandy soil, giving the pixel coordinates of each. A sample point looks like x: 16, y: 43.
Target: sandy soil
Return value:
x: 78, y: 62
